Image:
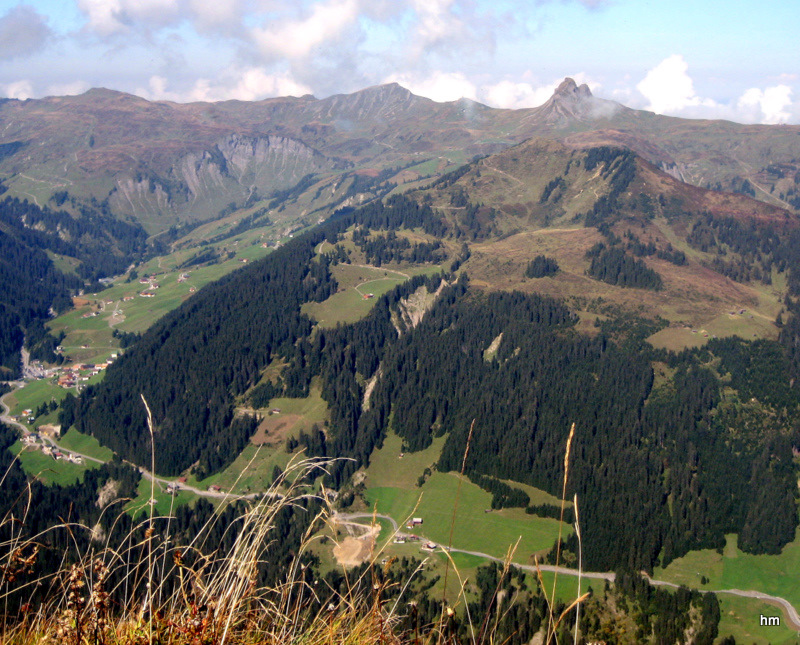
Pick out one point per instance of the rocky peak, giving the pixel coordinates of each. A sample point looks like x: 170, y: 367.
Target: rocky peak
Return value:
x: 570, y: 89
x: 572, y: 102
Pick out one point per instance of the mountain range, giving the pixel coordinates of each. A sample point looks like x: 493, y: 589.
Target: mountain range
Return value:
x: 447, y: 282
x: 162, y: 163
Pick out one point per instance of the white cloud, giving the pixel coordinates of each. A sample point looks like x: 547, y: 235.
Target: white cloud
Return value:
x: 669, y: 89
x: 18, y: 90
x: 256, y: 84
x: 436, y: 21
x: 524, y: 94
x: 767, y: 106
x: 438, y: 86
x: 67, y: 89
x: 508, y: 94
x: 298, y: 38
x: 251, y: 84
x: 217, y: 13
x: 107, y: 17
x: 22, y: 31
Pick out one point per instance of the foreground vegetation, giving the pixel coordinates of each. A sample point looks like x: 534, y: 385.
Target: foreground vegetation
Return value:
x: 246, y: 574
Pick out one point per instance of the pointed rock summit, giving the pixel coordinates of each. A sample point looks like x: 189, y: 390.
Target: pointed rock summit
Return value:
x: 570, y: 89
x: 572, y: 102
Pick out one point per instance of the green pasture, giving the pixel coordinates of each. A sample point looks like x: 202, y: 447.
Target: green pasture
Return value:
x: 355, y: 282
x: 90, y: 339
x: 741, y: 618
x: 537, y: 495
x: 313, y: 408
x: 474, y: 529
x: 566, y: 586
x: 776, y: 575
x: 250, y: 472
x: 33, y: 394
x: 164, y: 502
x: 47, y: 469
x: 63, y: 263
x: 748, y: 326
x: 84, y: 444
x: 388, y: 469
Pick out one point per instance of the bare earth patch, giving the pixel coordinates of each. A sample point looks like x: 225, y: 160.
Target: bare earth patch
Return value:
x: 356, y: 549
x: 275, y: 428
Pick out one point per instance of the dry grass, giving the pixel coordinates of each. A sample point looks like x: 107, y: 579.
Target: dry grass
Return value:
x: 146, y: 589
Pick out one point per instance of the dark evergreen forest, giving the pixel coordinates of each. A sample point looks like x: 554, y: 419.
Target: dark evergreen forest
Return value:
x: 658, y: 470
x: 30, y: 285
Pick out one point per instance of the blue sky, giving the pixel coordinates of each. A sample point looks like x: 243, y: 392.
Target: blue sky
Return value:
x: 736, y: 59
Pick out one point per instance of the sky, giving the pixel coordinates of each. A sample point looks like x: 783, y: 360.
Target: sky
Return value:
x: 729, y: 59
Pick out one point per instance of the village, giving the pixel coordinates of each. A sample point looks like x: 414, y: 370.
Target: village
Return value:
x: 43, y: 439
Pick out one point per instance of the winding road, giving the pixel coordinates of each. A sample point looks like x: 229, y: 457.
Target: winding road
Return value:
x: 146, y: 474
x: 790, y: 613
x: 6, y: 416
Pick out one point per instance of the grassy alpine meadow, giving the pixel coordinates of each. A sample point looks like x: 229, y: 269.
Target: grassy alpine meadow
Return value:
x: 163, y: 503
x: 390, y: 467
x: 733, y: 569
x: 741, y: 618
x: 251, y: 471
x: 47, y: 469
x: 356, y: 282
x: 32, y: 395
x: 475, y: 529
x: 286, y: 417
x: 744, y: 323
x: 88, y: 327
x: 392, y: 489
x: 85, y: 445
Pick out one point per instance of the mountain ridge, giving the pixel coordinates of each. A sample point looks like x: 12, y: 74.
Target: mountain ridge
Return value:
x: 93, y: 144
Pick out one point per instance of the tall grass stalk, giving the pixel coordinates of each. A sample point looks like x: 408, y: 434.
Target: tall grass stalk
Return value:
x: 580, y: 563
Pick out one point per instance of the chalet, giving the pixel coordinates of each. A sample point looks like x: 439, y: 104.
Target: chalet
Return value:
x: 214, y: 488
x: 416, y: 521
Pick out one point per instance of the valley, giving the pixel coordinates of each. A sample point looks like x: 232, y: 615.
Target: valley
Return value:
x: 370, y: 309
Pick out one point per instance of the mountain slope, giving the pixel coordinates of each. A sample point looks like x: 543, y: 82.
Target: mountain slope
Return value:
x: 524, y: 365
x: 47, y: 257
x: 161, y: 162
